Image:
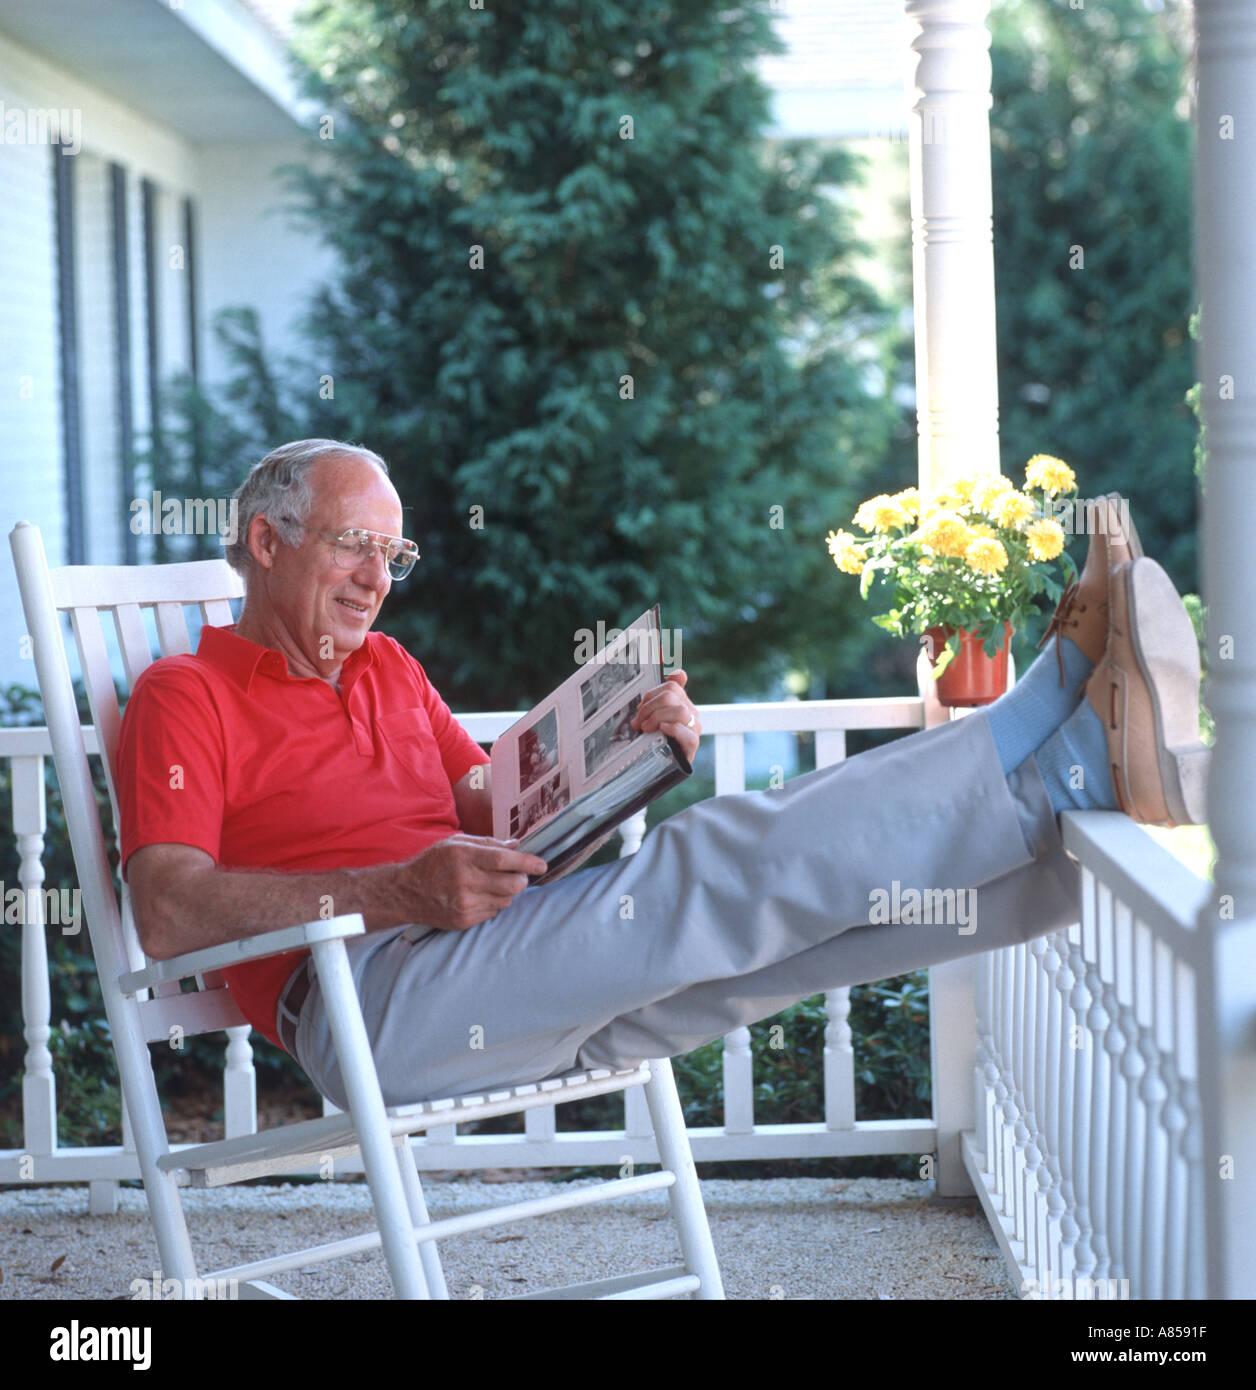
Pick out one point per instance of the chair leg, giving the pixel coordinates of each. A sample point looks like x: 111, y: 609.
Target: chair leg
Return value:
x: 161, y: 1191
x: 370, y: 1119
x: 685, y: 1195
x: 428, y: 1254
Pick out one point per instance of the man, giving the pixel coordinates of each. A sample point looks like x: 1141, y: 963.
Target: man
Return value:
x: 300, y: 765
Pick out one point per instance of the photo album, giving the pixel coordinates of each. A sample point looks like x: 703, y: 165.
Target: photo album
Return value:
x: 573, y: 768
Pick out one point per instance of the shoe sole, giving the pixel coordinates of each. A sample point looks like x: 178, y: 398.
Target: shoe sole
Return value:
x: 1164, y: 701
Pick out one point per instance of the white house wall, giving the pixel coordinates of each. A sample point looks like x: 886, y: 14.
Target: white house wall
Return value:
x: 252, y: 252
x: 137, y: 299
x: 245, y: 252
x: 103, y: 505
x: 109, y: 128
x: 32, y: 453
x: 30, y: 422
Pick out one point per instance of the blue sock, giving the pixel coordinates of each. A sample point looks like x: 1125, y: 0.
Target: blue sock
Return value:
x: 1036, y: 706
x: 1074, y: 764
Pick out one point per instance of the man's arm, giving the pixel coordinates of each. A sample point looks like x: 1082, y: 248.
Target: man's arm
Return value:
x: 473, y: 796
x: 183, y: 901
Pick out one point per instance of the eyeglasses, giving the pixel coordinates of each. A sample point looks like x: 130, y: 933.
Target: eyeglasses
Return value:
x: 356, y: 547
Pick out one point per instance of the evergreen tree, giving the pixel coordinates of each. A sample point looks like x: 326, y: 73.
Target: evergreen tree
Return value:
x: 1092, y: 256
x: 609, y: 345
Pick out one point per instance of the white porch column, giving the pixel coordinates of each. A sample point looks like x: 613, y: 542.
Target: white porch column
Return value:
x: 957, y: 396
x: 1226, y: 276
x: 957, y: 403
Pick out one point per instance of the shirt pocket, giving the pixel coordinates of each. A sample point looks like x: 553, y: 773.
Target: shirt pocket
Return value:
x: 410, y: 746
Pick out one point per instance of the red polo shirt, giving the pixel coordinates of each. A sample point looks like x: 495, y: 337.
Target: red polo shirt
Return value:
x: 226, y: 751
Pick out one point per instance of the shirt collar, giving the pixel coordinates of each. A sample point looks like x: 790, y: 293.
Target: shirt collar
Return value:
x: 241, y: 659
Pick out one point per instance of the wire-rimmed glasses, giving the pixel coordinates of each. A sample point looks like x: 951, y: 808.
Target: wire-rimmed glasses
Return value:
x: 357, y: 546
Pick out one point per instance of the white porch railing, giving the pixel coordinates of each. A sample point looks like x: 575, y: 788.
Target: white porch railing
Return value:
x: 1088, y: 1153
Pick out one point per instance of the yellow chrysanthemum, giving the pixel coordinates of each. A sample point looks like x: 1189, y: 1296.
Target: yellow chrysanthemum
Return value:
x: 981, y: 529
x: 909, y: 500
x: 1011, y: 508
x: 988, y: 488
x: 986, y: 556
x: 945, y: 534
x: 1046, y: 539
x: 847, y: 555
x: 882, y: 514
x: 1051, y: 474
x: 962, y: 488
x: 943, y: 500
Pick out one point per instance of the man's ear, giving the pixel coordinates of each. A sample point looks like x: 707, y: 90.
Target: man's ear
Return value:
x: 263, y: 541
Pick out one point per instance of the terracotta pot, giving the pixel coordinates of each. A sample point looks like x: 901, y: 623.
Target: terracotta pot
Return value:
x: 972, y: 678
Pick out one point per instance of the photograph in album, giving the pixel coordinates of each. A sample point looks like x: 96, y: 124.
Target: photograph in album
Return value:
x: 573, y: 768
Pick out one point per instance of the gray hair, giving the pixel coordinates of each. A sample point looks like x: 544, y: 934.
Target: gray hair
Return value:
x: 278, y: 487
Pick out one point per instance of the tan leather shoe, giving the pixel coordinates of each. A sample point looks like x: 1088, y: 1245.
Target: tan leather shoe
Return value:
x: 1146, y: 691
x: 1082, y: 613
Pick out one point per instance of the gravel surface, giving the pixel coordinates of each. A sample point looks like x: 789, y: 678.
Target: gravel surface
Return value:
x: 793, y: 1238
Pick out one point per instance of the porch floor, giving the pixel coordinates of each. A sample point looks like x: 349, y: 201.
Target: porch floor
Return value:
x: 808, y: 1238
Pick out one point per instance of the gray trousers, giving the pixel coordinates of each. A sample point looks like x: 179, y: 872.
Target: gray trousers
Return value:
x: 730, y: 911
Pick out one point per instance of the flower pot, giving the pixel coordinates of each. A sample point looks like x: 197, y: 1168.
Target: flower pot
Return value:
x: 972, y: 678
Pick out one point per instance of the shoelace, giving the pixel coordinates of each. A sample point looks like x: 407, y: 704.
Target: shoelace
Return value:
x: 1062, y: 618
x: 1065, y: 617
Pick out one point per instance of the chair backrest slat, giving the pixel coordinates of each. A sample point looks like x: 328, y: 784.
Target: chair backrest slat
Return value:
x: 102, y: 696
x: 217, y: 612
x: 172, y: 629
x: 137, y: 655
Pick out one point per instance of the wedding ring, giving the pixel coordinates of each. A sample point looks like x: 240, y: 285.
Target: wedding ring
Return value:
x: 690, y: 724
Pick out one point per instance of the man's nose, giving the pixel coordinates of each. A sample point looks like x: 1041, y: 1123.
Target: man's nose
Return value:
x: 374, y: 572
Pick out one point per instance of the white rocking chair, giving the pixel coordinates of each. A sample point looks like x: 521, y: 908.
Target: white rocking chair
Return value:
x: 143, y: 998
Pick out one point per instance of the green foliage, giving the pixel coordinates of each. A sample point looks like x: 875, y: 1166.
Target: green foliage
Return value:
x: 1091, y: 149
x: 206, y: 442
x: 889, y: 1023
x: 713, y: 274
x: 1195, y: 400
x: 1199, y: 618
x: 89, y: 1101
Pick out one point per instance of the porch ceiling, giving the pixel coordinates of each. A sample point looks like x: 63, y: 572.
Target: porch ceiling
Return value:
x: 213, y: 75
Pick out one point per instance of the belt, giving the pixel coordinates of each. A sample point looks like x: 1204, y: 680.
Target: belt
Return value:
x: 290, y: 1002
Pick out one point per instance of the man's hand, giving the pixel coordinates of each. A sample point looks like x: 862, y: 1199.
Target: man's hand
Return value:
x: 668, y: 708
x: 183, y: 901
x: 464, y: 880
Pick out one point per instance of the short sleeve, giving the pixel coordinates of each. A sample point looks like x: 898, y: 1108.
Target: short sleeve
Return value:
x: 170, y: 764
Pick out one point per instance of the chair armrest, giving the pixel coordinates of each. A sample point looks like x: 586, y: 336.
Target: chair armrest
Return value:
x: 271, y: 943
